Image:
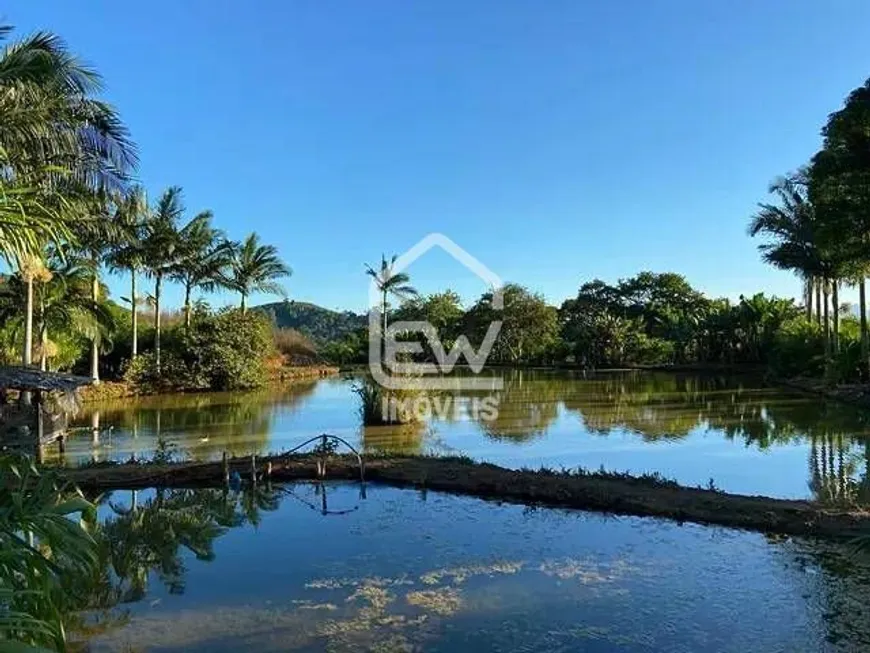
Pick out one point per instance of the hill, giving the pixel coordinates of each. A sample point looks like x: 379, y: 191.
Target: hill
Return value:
x: 320, y: 324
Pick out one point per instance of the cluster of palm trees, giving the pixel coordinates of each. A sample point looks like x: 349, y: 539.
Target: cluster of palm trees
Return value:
x: 158, y: 243
x: 69, y: 210
x: 819, y: 225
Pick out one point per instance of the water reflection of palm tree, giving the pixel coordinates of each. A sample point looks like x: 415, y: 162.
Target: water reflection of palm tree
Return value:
x: 833, y: 468
x: 150, y: 537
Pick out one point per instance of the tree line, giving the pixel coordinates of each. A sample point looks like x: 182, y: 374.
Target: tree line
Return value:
x: 818, y: 227
x: 651, y: 318
x: 70, y: 210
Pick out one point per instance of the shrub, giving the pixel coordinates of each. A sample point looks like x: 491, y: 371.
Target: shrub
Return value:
x: 295, y: 347
x: 376, y: 403
x: 798, y: 349
x: 222, y: 351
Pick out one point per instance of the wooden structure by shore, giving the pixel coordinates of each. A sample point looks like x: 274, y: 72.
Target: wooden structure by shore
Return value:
x: 44, y: 403
x: 611, y: 493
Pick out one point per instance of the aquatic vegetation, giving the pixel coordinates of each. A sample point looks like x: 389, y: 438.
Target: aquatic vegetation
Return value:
x: 380, y: 405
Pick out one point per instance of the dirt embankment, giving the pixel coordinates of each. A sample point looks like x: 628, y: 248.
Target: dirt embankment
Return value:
x: 612, y: 493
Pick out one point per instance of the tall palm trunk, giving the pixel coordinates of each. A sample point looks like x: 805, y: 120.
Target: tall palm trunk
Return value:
x: 187, y: 307
x: 384, y: 315
x: 134, y: 319
x: 819, y: 301
x: 95, y: 341
x: 27, y: 354
x: 827, y: 325
x: 43, y: 338
x: 865, y: 337
x: 835, y: 300
x: 244, y: 304
x: 158, y: 283
x: 808, y: 298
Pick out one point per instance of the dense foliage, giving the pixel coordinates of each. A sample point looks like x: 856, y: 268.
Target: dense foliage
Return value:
x: 69, y: 210
x: 819, y: 228
x: 226, y: 350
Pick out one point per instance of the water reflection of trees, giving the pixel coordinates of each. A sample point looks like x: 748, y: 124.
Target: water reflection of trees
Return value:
x: 142, y: 540
x: 150, y: 537
x: 395, y: 438
x: 528, y: 404
x: 202, y: 425
x: 666, y: 406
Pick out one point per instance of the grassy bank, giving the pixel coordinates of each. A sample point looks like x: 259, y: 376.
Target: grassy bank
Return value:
x: 621, y: 494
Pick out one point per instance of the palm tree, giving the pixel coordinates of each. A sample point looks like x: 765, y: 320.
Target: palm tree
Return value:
x: 54, y: 136
x: 50, y: 116
x: 390, y: 282
x: 256, y: 268
x: 63, y: 302
x: 791, y: 228
x: 205, y: 256
x: 160, y: 248
x: 127, y: 255
x: 798, y: 242
x: 96, y: 235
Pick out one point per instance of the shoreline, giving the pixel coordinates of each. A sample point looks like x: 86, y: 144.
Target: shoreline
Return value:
x: 618, y: 494
x: 109, y: 390
x: 853, y: 394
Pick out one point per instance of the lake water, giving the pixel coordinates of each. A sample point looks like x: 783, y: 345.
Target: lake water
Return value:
x: 198, y: 570
x: 736, y: 433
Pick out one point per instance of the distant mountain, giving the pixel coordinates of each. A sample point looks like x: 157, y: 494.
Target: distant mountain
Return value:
x: 318, y: 323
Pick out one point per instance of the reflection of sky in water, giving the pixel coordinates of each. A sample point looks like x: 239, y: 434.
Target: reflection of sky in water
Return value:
x: 439, y: 573
x: 746, y: 438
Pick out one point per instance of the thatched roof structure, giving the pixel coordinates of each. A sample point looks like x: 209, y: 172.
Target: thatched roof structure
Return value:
x: 32, y: 379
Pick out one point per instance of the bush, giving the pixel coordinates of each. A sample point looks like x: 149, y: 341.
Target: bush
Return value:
x: 222, y: 351
x: 798, y: 350
x: 378, y: 403
x: 645, y: 350
x: 295, y: 347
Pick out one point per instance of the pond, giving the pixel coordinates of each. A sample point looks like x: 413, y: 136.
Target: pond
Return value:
x: 732, y: 432
x: 401, y: 570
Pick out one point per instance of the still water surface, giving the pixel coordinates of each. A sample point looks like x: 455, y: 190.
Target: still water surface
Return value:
x: 735, y: 432
x: 400, y: 570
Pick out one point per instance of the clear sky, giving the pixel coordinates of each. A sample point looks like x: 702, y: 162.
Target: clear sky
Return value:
x: 556, y: 141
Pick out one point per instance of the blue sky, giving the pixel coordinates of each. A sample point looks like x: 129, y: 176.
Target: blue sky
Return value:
x: 556, y: 141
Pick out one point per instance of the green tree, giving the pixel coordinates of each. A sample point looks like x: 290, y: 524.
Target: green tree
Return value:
x: 96, y: 234
x: 203, y: 261
x: 793, y: 233
x: 840, y: 187
x: 256, y: 268
x: 390, y: 282
x: 529, y: 325
x: 128, y: 252
x: 54, y: 136
x: 798, y: 239
x: 160, y: 250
